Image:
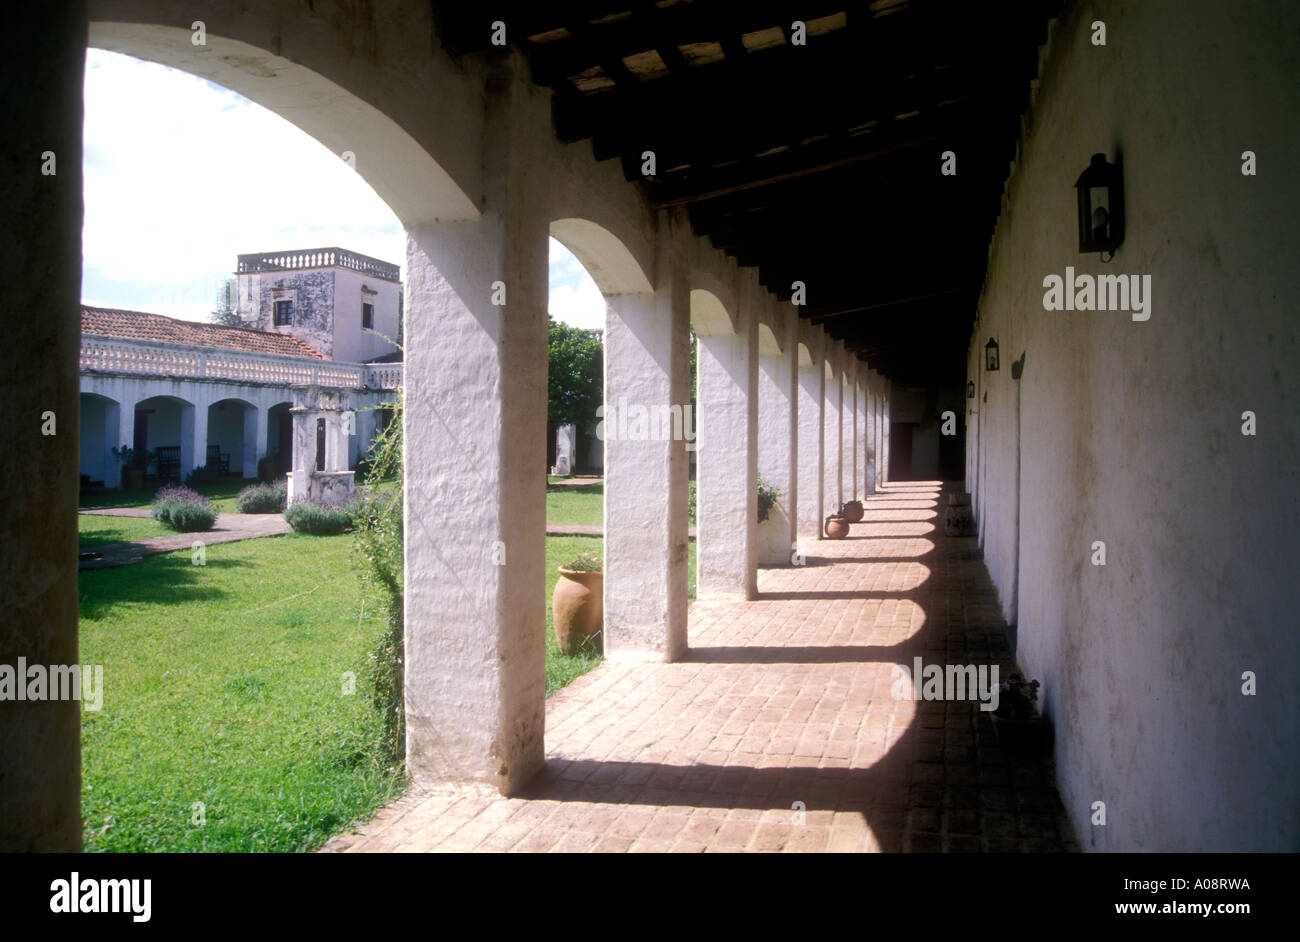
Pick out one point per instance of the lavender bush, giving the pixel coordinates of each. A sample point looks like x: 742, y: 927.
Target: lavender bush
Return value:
x: 183, y: 509
x: 320, y: 517
x: 261, y: 499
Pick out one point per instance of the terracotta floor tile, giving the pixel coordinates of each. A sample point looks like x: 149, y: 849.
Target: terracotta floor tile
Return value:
x: 712, y: 753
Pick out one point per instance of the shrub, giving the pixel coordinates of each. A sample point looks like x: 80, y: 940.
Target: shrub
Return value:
x: 379, y: 552
x: 207, y: 474
x: 319, y: 517
x: 690, y: 501
x: 261, y: 499
x: 767, y: 497
x: 183, y: 509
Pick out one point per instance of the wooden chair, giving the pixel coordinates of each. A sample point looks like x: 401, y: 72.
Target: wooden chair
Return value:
x: 217, y: 460
x: 168, y: 459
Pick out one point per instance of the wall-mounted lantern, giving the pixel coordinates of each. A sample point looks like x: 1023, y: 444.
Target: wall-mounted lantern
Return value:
x: 970, y: 389
x: 991, y: 355
x: 1101, y: 206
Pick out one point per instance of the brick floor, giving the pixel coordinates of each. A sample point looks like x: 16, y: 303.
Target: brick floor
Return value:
x: 778, y: 732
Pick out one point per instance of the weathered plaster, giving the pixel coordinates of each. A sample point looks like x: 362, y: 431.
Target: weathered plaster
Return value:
x: 1130, y: 432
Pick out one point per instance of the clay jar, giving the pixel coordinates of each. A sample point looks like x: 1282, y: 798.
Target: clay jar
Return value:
x: 852, y: 511
x: 577, y: 610
x: 837, y: 528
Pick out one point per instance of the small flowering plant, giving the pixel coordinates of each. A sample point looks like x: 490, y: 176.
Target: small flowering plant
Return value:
x: 183, y: 509
x: 1016, y: 698
x: 587, y: 562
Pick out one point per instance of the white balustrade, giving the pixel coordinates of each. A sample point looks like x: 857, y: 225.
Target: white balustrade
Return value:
x: 115, y: 355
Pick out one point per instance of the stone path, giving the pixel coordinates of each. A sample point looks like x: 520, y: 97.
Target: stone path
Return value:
x: 229, y: 528
x: 779, y: 730
x: 575, y: 482
x: 573, y: 529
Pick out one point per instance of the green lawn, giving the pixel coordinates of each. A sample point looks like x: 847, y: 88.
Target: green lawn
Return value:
x: 97, y: 530
x: 222, y: 495
x: 223, y: 685
x: 582, y: 504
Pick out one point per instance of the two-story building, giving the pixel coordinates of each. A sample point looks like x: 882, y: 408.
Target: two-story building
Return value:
x: 313, y: 324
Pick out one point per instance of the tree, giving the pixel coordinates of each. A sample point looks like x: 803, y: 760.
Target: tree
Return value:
x: 225, y: 312
x: 575, y: 377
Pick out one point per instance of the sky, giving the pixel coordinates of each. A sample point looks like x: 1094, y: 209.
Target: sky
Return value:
x: 174, y: 192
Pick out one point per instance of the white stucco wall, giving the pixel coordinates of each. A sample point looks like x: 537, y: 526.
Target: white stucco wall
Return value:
x: 352, y: 343
x: 1129, y: 432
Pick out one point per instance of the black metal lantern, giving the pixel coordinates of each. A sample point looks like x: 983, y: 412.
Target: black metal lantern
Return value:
x: 1101, y: 206
x: 991, y: 355
x: 970, y: 389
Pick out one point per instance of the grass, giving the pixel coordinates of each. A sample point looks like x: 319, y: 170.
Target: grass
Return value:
x: 562, y: 669
x: 223, y: 685
x: 582, y: 504
x: 97, y: 530
x: 221, y: 494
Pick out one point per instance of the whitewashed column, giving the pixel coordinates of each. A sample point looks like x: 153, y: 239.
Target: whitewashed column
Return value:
x: 812, y: 405
x: 475, y: 461
x: 884, y: 433
x: 860, y: 431
x: 194, y: 436
x: 647, y: 365
x: 726, y: 500
x: 40, y: 740
x: 255, y: 450
x: 832, y: 438
x: 872, y: 431
x: 778, y: 435
x: 848, y: 428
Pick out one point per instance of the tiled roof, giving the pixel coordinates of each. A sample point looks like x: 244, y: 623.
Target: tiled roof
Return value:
x: 137, y: 325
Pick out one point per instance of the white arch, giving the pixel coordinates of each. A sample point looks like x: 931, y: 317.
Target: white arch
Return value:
x: 768, y: 345
x: 709, y: 316
x: 611, y: 266
x: 805, y: 356
x: 400, y: 170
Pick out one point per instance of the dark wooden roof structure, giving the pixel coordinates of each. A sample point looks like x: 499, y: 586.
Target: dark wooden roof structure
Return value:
x: 816, y: 162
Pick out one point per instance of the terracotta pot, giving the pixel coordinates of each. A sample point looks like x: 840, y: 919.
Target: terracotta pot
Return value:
x: 853, y: 511
x: 837, y: 528
x: 132, y: 479
x: 577, y: 607
x: 1023, y: 737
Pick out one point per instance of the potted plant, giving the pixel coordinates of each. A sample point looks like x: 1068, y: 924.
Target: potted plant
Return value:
x: 837, y: 528
x: 767, y: 498
x: 1021, y: 729
x: 577, y: 605
x: 134, y: 464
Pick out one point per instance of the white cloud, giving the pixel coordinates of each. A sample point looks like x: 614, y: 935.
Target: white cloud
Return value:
x: 181, y: 176
x: 575, y: 300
